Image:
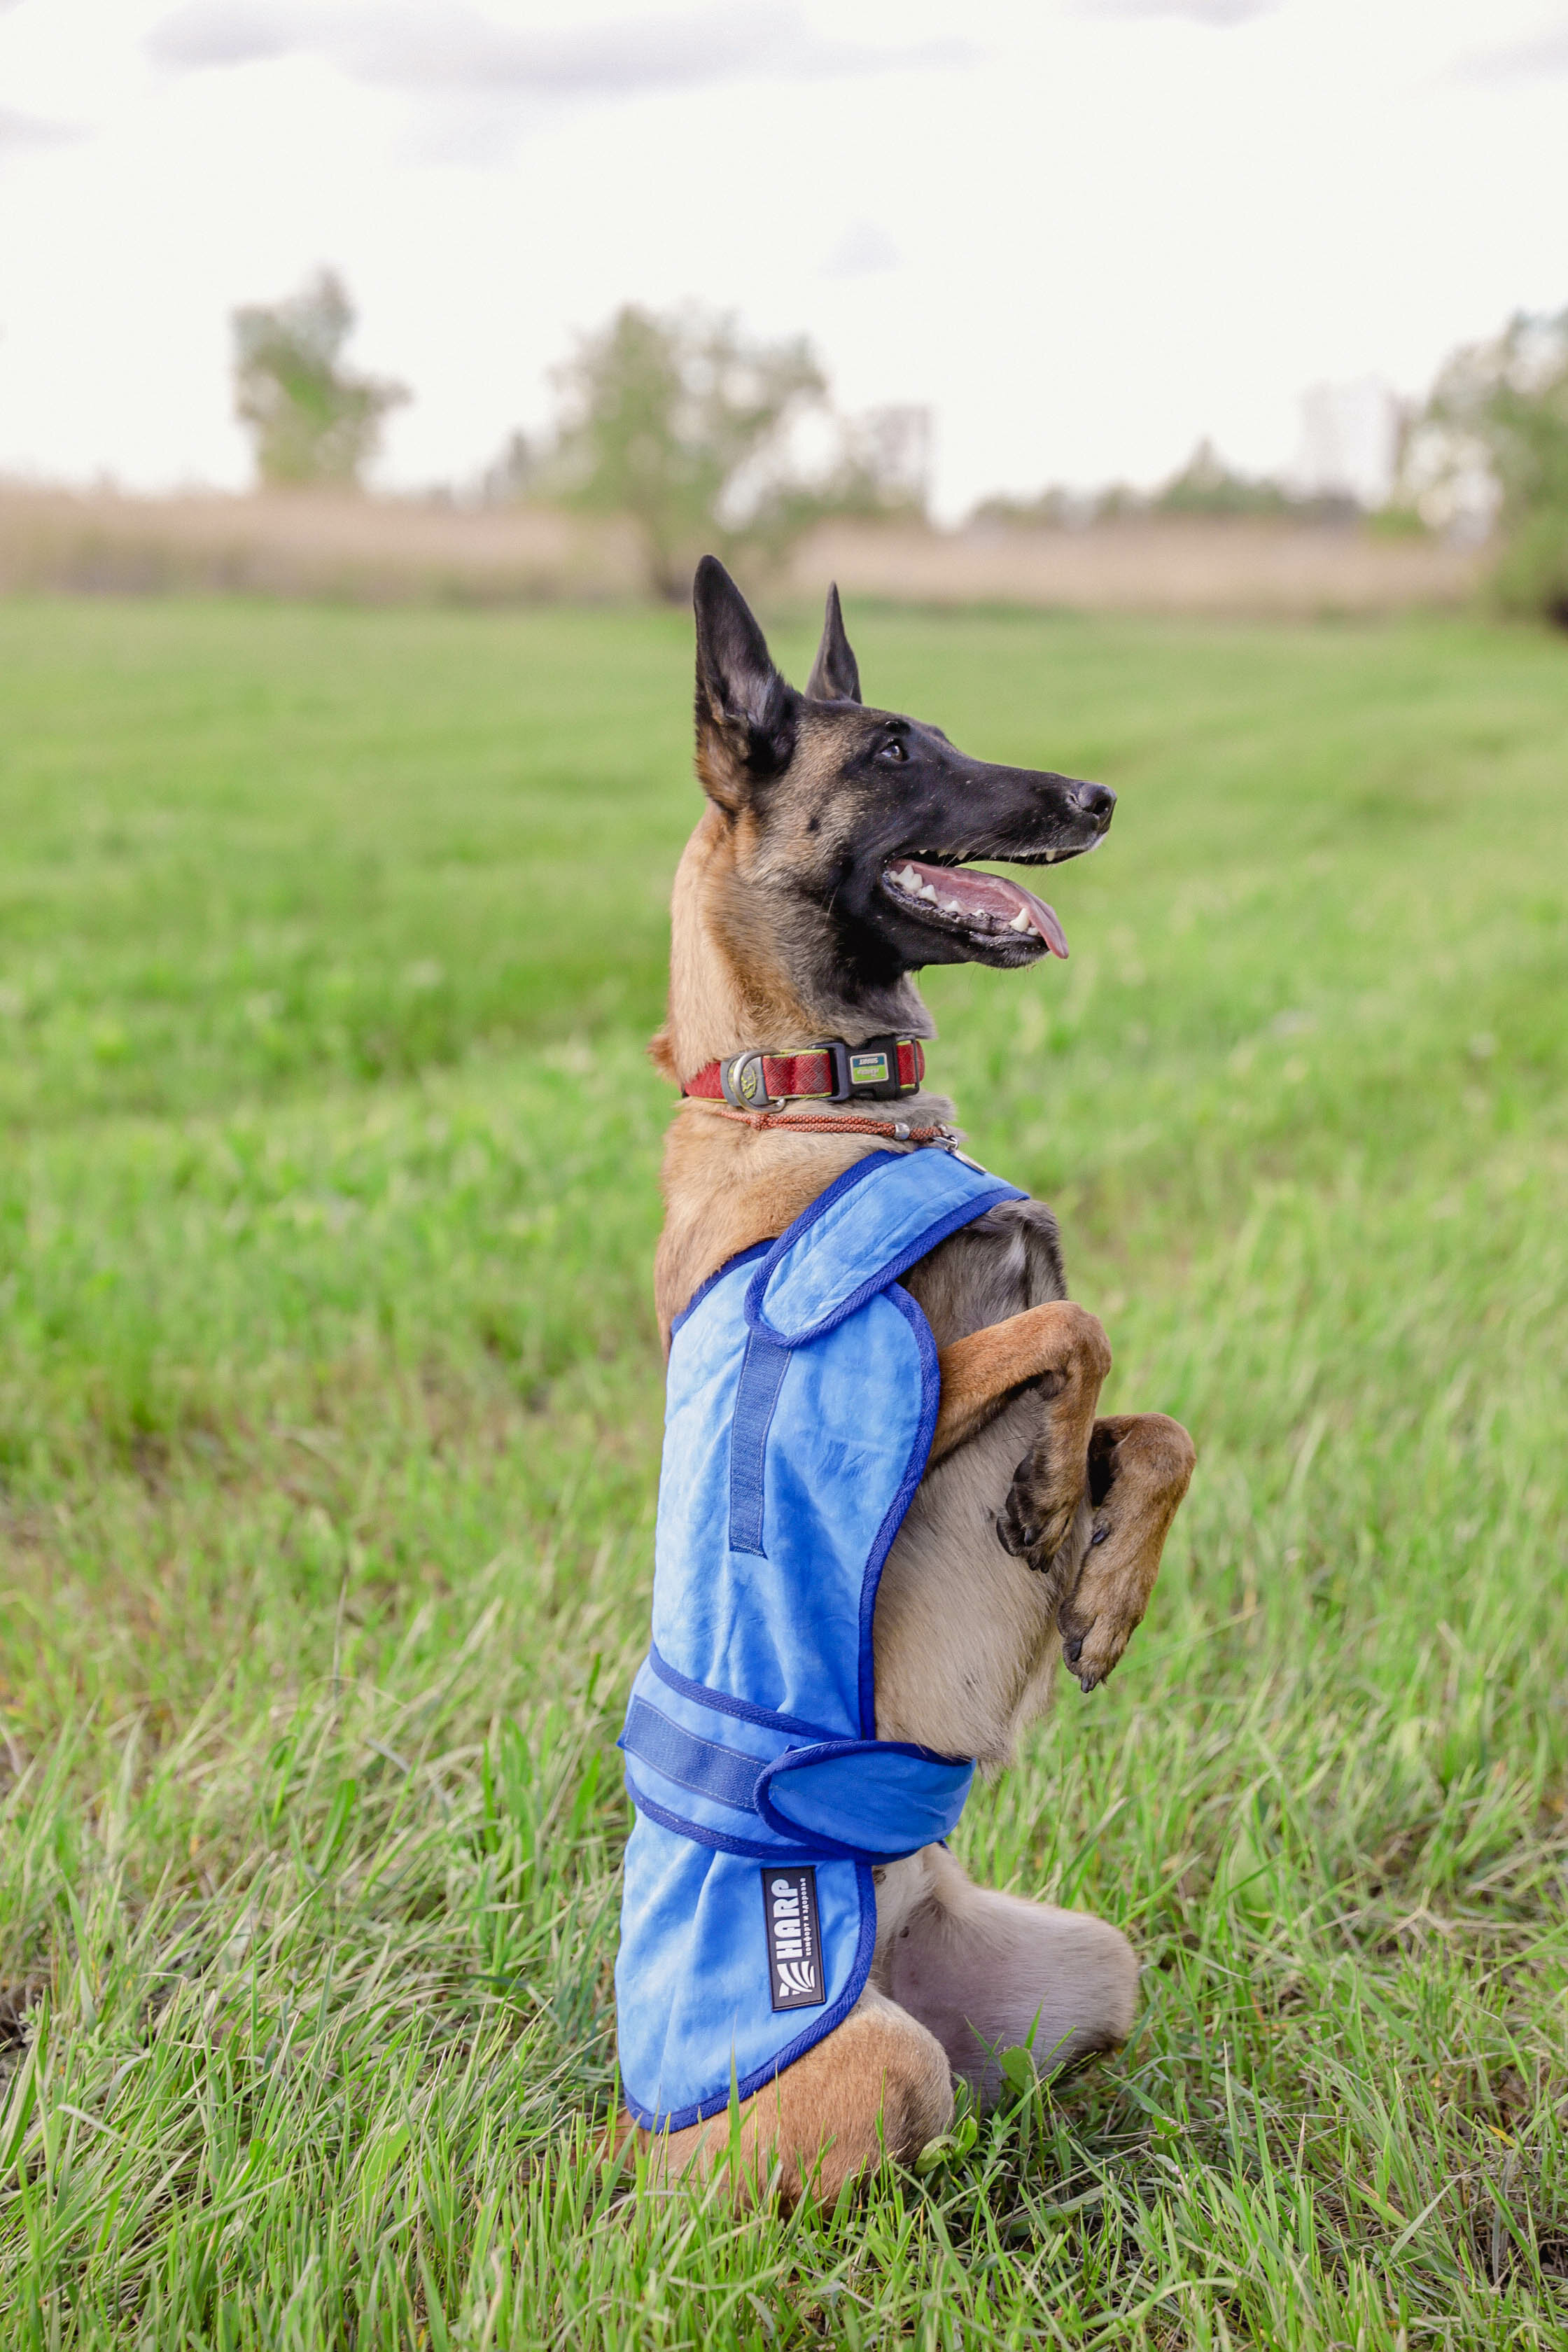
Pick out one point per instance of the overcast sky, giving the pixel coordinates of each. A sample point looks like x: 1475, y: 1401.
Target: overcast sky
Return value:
x: 1084, y: 231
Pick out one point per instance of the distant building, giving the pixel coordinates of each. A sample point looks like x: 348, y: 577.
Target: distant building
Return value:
x: 1350, y: 442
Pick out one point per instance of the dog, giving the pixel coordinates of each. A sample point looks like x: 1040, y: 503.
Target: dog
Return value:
x: 827, y: 870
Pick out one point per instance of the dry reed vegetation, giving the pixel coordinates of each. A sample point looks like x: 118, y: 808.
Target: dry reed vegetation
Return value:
x: 1231, y: 567
x: 383, y: 550
x: 309, y: 544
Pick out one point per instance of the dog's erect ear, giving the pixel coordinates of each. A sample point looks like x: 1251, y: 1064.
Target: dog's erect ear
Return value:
x: 834, y: 674
x: 745, y: 712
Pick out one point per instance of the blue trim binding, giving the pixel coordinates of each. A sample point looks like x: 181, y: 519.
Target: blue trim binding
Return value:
x: 854, y: 1175
x: 720, y: 1701
x: 749, y: 1849
x: 741, y: 1257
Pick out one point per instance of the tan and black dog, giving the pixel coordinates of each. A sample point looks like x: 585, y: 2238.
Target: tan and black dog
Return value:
x: 825, y: 870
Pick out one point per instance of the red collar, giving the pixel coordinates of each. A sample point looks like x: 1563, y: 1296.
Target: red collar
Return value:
x: 884, y: 1069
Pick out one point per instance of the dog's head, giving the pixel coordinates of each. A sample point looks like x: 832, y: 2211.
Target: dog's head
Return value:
x: 833, y: 861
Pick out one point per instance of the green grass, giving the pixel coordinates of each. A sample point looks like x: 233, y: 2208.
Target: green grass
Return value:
x: 329, y: 1420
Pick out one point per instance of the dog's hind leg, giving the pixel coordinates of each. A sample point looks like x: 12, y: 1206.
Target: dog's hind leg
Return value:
x: 987, y: 1972
x: 878, y: 2085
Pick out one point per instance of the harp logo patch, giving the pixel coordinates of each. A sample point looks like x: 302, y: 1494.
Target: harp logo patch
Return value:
x: 794, y: 1945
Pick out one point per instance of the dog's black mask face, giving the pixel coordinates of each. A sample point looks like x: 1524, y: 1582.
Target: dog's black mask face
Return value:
x: 869, y: 816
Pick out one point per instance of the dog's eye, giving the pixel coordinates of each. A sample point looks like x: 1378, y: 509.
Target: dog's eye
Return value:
x: 892, y: 749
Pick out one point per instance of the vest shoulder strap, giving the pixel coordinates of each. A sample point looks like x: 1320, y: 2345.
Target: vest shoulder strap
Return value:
x: 869, y: 1226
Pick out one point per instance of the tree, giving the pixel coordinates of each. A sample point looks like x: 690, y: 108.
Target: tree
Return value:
x: 884, y: 464
x: 682, y: 423
x: 1493, y: 444
x: 510, y: 477
x: 314, y: 421
x: 1207, y: 486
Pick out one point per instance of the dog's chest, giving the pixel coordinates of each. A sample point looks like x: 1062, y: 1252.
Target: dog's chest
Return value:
x: 967, y: 1640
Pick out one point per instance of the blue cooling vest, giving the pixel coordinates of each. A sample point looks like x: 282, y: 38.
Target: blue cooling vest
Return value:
x: 802, y: 1397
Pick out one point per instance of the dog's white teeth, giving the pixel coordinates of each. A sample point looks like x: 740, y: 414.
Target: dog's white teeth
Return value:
x: 955, y: 906
x: 1020, y: 921
x: 908, y: 879
x: 1051, y: 857
x: 926, y: 892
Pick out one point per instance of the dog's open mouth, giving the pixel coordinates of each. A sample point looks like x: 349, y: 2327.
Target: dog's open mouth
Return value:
x: 981, y: 903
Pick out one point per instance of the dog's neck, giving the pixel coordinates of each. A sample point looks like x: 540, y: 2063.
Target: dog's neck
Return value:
x: 730, y: 1183
x: 737, y: 956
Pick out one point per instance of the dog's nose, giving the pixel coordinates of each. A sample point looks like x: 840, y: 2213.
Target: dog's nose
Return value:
x: 1096, y: 800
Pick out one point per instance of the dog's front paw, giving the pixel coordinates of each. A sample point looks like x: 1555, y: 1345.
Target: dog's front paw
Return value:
x: 1034, y: 1521
x: 1103, y: 1611
x: 1139, y: 1466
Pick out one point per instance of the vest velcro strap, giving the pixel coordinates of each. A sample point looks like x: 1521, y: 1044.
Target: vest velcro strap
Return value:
x: 700, y: 1765
x: 885, y: 1797
x: 871, y: 1799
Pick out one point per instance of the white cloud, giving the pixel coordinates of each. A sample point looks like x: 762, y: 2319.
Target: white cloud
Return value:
x: 1536, y: 56
x: 1201, y: 12
x: 31, y: 130
x: 230, y: 33
x: 429, y: 47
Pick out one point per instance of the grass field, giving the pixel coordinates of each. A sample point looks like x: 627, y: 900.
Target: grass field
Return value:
x: 328, y: 1420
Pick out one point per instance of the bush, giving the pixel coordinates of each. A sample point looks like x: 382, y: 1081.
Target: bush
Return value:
x: 1492, y: 443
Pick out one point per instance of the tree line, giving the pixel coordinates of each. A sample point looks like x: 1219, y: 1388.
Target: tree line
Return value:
x: 703, y: 436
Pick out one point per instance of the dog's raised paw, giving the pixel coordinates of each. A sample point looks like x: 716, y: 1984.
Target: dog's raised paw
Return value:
x: 1032, y: 1522
x: 1102, y: 1612
x: 1139, y: 1469
x: 1090, y: 1671
x: 1014, y: 1534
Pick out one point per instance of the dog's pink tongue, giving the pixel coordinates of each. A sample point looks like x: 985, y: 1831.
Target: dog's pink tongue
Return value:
x: 989, y: 894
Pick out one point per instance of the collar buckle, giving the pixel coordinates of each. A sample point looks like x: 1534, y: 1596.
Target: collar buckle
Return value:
x: 743, y: 1086
x: 869, y: 1073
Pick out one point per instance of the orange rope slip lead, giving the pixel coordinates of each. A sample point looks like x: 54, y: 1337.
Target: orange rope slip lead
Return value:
x: 895, y: 1130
